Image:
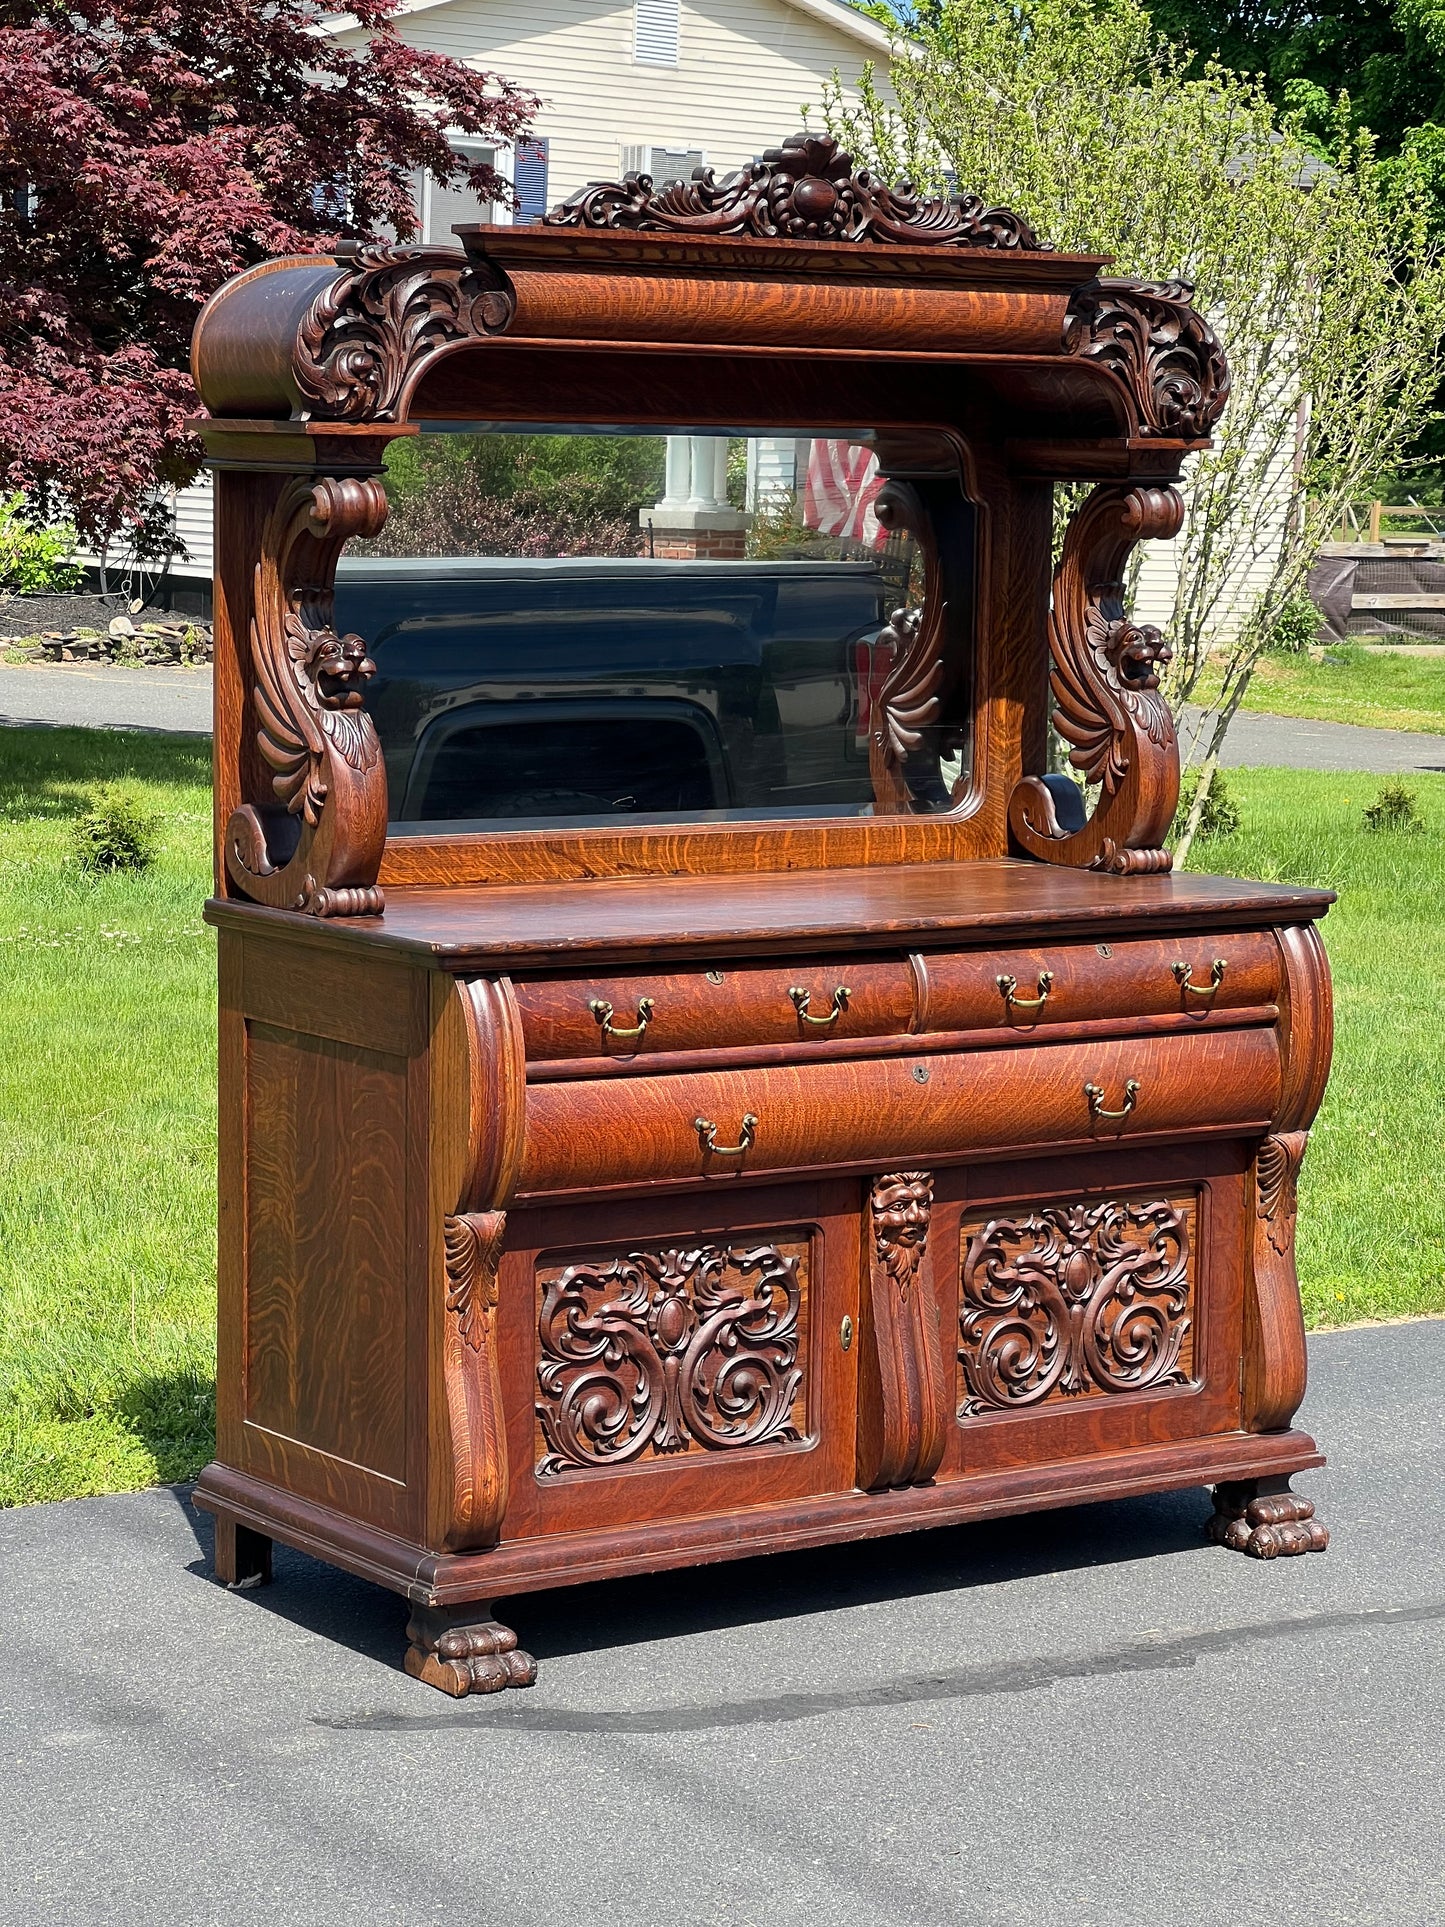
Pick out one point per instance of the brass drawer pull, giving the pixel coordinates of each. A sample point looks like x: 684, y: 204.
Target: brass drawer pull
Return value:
x: 602, y: 1011
x: 1184, y: 978
x: 707, y: 1136
x: 1095, y: 1096
x: 1009, y: 987
x: 801, y: 999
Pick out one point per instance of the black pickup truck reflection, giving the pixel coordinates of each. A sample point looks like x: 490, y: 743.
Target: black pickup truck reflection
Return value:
x: 538, y: 692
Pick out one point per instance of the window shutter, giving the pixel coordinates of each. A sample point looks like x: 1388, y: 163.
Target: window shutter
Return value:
x: 455, y: 205
x: 529, y: 177
x: 656, y: 28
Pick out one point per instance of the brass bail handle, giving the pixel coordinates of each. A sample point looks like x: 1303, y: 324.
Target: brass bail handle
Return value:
x: 1094, y: 1093
x: 1184, y: 977
x: 602, y: 1011
x: 801, y: 999
x: 1009, y: 987
x: 707, y: 1137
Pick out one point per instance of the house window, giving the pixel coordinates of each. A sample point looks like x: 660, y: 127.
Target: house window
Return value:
x: 663, y: 164
x: 529, y: 177
x: 655, y: 32
x: 454, y: 205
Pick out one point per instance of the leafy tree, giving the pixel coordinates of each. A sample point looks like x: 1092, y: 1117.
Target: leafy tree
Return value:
x: 1323, y: 277
x: 148, y: 150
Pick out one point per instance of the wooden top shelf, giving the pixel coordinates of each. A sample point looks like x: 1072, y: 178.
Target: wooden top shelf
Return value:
x: 622, y: 921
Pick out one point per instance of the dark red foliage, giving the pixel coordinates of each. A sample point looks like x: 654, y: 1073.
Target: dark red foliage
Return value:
x: 454, y: 515
x: 149, y: 151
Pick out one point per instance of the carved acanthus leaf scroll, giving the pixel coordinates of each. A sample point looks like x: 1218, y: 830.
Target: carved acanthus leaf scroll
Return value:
x: 804, y: 190
x: 1150, y: 336
x: 473, y: 1251
x: 903, y: 1314
x: 388, y: 312
x: 663, y: 1350
x: 315, y: 845
x: 1277, y: 1170
x: 1075, y: 1298
x: 1105, y: 682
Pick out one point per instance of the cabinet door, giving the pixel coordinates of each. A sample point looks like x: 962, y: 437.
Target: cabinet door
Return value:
x: 663, y: 1359
x: 1090, y: 1304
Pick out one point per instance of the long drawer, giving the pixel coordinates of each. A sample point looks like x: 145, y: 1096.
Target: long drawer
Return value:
x: 617, y: 1015
x: 600, y: 1132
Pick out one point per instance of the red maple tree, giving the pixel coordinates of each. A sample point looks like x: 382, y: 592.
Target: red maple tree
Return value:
x: 148, y: 151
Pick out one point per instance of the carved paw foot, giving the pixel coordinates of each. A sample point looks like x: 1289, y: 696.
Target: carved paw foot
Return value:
x: 1266, y: 1520
x: 465, y: 1652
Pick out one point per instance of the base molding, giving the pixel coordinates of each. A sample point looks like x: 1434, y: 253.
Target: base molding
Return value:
x: 535, y: 1565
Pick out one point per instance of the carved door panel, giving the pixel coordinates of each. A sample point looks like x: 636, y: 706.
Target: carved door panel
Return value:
x: 1091, y: 1304
x: 674, y: 1358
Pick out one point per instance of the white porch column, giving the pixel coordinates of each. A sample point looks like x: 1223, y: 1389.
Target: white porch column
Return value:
x: 677, y: 475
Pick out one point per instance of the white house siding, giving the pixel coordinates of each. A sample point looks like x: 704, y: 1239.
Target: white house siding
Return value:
x: 746, y: 71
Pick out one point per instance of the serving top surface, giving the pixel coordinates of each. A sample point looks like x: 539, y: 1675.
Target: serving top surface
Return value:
x: 535, y: 925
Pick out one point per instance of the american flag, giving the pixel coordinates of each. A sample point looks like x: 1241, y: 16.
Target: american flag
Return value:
x: 843, y: 481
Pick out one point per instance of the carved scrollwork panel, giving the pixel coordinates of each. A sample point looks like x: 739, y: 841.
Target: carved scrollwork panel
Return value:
x: 1076, y: 1300
x: 807, y: 189
x: 316, y: 844
x: 1109, y: 707
x: 660, y: 1352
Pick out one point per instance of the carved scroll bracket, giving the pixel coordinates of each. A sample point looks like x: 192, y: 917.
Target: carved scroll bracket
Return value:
x: 389, y: 312
x: 315, y: 844
x: 911, y: 1431
x: 908, y: 701
x: 1110, y: 708
x: 473, y: 1236
x: 1165, y: 354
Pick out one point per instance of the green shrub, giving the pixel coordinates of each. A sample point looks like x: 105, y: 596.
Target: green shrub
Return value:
x: 117, y: 832
x: 33, y: 561
x: 1397, y: 807
x: 1221, y: 813
x: 1296, y: 628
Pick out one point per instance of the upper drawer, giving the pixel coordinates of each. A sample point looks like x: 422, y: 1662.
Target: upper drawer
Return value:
x: 886, y: 1112
x: 623, y: 1016
x: 1151, y: 977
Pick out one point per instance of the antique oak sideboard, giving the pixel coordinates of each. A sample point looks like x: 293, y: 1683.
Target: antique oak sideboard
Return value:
x: 600, y: 1197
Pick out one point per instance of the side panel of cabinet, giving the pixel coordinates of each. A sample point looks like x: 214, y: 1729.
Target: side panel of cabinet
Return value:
x: 662, y: 1359
x: 323, y: 1229
x: 1090, y: 1305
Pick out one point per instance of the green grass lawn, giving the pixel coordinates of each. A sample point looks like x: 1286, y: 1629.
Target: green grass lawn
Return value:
x: 107, y: 1109
x: 107, y: 1125
x: 1369, y: 686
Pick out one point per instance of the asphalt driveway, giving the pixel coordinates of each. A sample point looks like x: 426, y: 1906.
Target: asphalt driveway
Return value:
x: 1086, y: 1717
x: 97, y: 696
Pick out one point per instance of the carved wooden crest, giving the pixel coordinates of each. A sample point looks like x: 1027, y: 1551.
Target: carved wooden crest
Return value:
x: 805, y: 190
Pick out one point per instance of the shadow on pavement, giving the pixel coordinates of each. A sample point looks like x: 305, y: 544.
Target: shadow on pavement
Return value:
x: 778, y: 1586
